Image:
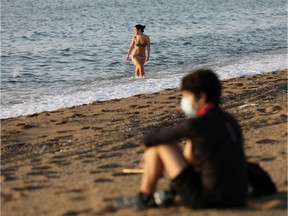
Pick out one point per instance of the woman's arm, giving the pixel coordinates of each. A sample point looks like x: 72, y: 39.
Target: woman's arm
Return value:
x: 148, y: 49
x: 131, y: 47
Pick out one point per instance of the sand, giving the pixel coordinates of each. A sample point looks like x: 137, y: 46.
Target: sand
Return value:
x: 70, y: 161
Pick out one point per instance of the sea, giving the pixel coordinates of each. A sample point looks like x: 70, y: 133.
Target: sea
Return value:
x: 62, y: 53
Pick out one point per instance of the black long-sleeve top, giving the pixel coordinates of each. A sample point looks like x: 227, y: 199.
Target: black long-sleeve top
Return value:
x: 217, y: 147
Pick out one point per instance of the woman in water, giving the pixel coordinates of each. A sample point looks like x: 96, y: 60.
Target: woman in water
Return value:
x: 138, y: 45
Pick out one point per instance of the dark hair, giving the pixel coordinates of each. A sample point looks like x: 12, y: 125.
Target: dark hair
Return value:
x: 140, y: 27
x: 203, y: 81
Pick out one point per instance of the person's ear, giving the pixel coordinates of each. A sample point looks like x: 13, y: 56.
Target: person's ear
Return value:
x: 202, y: 99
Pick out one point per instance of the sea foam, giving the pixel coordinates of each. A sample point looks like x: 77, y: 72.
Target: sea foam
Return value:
x: 125, y: 86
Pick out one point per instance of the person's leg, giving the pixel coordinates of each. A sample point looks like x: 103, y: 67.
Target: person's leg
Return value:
x: 160, y: 158
x: 187, y: 152
x: 153, y: 169
x: 141, y: 71
x: 137, y: 66
x: 137, y: 71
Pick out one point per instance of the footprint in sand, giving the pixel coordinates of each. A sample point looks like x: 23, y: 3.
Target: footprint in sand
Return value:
x: 261, y: 110
x: 78, y: 198
x: 9, y: 170
x: 8, y: 176
x: 143, y: 106
x: 89, y: 156
x: 267, y: 159
x: 119, y: 174
x: 102, y: 180
x: 265, y: 141
x: 96, y: 172
x: 77, y: 115
x: 65, y: 131
x: 61, y: 156
x: 74, y: 193
x: 36, y: 160
x: 96, y: 128
x: 109, y: 166
x: 172, y: 97
x: 103, y: 156
x: 62, y: 122
x: 44, y: 173
x: 76, y: 213
x: 124, y: 146
x: 106, y: 110
x: 59, y: 162
x: 28, y: 188
x: 85, y: 128
x: 6, y: 197
x: 41, y: 168
x: 88, y: 161
x: 28, y: 126
x: 21, y: 124
x: 276, y: 108
x: 33, y: 115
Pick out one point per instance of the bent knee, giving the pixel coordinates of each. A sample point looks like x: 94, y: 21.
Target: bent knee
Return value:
x: 150, y: 150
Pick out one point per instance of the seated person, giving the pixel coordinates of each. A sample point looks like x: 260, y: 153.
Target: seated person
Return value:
x: 210, y: 172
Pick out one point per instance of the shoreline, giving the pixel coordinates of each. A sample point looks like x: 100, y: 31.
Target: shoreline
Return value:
x: 120, y: 98
x: 70, y: 160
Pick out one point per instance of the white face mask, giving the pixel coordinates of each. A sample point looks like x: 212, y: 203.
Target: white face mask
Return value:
x: 187, y: 107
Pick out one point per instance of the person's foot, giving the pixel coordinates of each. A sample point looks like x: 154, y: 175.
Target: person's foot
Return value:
x: 140, y: 201
x: 164, y: 198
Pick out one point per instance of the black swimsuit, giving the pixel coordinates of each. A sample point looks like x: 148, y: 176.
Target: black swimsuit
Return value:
x: 141, y: 45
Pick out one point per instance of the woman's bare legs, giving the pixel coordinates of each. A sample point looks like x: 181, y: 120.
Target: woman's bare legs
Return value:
x: 137, y: 71
x: 139, y: 67
x: 141, y: 71
x: 160, y: 158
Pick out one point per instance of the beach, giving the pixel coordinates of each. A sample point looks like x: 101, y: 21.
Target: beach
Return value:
x: 69, y: 161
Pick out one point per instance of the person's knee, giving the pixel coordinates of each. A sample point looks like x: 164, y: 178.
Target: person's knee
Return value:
x: 156, y: 151
x: 150, y: 152
x: 172, y: 158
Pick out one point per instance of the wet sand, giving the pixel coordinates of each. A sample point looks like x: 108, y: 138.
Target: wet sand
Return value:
x: 70, y: 161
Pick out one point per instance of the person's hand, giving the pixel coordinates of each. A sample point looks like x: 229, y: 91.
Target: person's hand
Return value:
x: 128, y: 58
x: 147, y: 58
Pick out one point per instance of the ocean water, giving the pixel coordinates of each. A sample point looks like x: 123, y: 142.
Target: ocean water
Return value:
x: 63, y: 53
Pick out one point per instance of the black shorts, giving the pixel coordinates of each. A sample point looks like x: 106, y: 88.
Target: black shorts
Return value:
x: 188, y: 185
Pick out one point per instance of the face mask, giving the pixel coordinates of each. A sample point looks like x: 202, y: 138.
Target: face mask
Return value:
x: 187, y: 107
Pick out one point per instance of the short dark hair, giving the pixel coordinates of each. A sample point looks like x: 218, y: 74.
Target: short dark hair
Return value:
x: 140, y: 27
x: 203, y: 81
